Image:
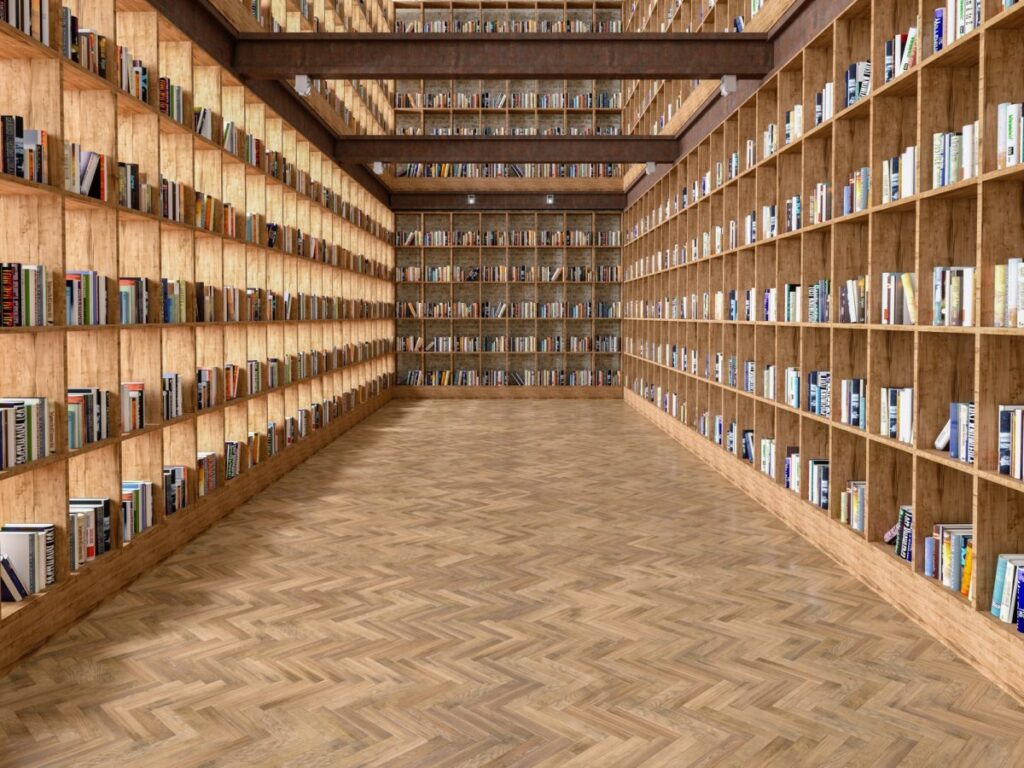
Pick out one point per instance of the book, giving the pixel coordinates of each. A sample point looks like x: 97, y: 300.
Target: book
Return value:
x: 12, y: 589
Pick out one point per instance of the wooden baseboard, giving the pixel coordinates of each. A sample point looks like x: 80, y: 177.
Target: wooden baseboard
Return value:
x: 509, y: 393
x: 994, y: 648
x: 47, y: 613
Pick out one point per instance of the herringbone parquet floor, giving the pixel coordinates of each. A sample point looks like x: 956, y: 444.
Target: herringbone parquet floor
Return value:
x: 501, y: 584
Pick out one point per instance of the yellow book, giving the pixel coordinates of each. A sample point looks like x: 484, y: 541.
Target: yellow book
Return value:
x: 910, y: 294
x: 965, y: 579
x: 999, y: 311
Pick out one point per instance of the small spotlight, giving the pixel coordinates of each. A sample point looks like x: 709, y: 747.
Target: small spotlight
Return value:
x: 471, y: 199
x: 378, y: 167
x: 549, y: 199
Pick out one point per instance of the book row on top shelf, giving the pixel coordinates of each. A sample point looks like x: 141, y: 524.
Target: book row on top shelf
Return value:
x: 570, y: 16
x: 364, y: 103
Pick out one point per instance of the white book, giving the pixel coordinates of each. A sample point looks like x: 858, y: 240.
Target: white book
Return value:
x: 1011, y: 126
x: 26, y: 551
x: 1001, y: 134
x: 967, y: 297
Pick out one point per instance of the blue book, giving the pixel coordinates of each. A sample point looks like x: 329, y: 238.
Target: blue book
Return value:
x: 940, y: 29
x: 954, y: 430
x: 1019, y: 613
x: 930, y: 559
x: 11, y: 588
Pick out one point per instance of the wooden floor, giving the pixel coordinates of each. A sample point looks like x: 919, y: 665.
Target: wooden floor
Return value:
x: 497, y: 583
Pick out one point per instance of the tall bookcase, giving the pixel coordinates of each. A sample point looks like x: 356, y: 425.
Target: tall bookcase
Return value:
x: 348, y: 106
x: 663, y: 106
x: 671, y: 262
x: 474, y: 107
x: 332, y: 260
x: 489, y: 16
x: 496, y: 299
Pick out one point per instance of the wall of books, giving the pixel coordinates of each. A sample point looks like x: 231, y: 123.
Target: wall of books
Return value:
x: 348, y: 106
x: 651, y: 105
x: 192, y: 298
x: 508, y: 299
x: 525, y: 107
x: 828, y: 290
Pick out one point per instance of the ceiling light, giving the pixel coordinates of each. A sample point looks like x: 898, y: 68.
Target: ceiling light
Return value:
x: 651, y: 167
x: 378, y: 167
x: 549, y: 199
x: 471, y: 199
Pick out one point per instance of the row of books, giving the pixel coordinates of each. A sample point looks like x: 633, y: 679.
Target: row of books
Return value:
x: 955, y: 155
x: 949, y: 557
x: 26, y: 430
x: 85, y: 47
x: 504, y: 377
x: 88, y: 416
x: 517, y: 309
x: 28, y: 563
x: 26, y: 295
x: 496, y: 26
x: 508, y: 170
x: 132, y: 74
x: 502, y: 274
x: 551, y: 344
x: 31, y: 18
x: 901, y: 53
x: 235, y: 305
x: 85, y: 172
x: 853, y: 504
x: 23, y: 151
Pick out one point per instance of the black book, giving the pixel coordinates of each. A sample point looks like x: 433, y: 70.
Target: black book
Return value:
x: 9, y: 131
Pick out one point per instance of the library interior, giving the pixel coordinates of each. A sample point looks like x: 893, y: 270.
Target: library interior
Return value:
x: 512, y: 478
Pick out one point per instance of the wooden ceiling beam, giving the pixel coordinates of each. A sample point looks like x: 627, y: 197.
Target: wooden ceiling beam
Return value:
x: 612, y: 56
x: 506, y: 149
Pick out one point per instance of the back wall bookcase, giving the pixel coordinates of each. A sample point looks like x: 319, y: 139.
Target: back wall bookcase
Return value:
x: 257, y: 255
x: 741, y: 266
x: 524, y: 303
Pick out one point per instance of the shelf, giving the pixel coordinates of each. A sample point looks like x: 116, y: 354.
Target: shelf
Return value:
x: 62, y: 231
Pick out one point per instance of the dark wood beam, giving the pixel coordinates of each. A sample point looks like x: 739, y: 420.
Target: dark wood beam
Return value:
x: 506, y: 149
x: 507, y: 201
x: 515, y: 56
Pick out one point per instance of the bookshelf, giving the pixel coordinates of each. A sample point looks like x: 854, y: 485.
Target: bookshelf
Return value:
x: 494, y: 299
x: 348, y: 106
x: 565, y: 16
x: 663, y: 107
x: 679, y: 249
x: 475, y: 107
x: 303, y: 307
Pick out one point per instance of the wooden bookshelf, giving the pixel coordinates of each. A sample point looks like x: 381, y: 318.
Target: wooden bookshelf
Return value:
x: 488, y: 16
x: 475, y: 107
x: 976, y: 222
x: 345, y: 262
x: 483, y: 260
x: 663, y: 107
x: 347, y: 106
